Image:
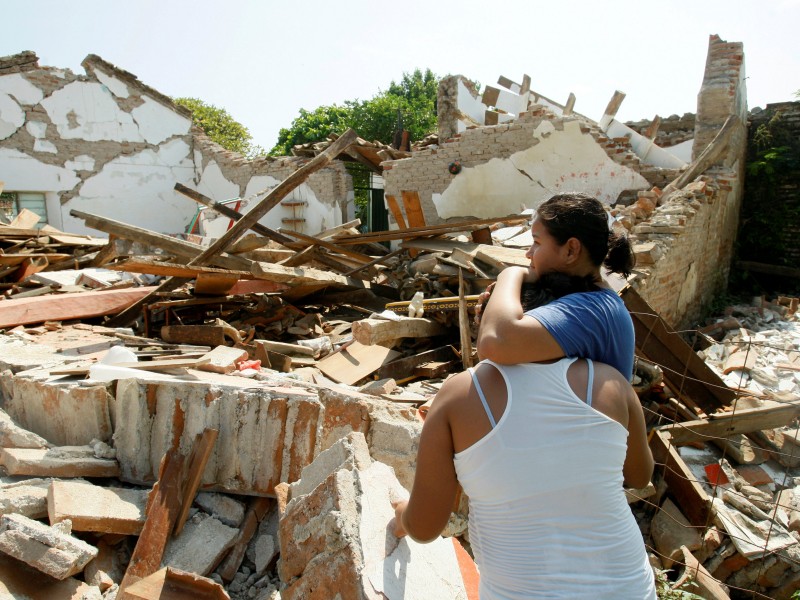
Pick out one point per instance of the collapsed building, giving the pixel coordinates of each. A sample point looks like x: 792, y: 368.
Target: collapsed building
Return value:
x: 273, y: 476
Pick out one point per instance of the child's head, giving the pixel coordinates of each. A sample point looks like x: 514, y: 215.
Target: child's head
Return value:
x: 553, y: 285
x: 583, y: 218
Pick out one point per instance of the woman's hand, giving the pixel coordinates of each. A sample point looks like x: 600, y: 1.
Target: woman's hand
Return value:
x: 397, y: 522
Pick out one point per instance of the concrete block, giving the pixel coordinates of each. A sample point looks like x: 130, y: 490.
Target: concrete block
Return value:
x: 228, y: 510
x: 65, y: 414
x: 200, y: 546
x: 95, y: 508
x: 670, y: 530
x: 44, y: 548
x: 336, y: 538
x: 14, y: 436
x: 263, y: 547
x: 223, y: 359
x: 28, y: 497
x: 349, y: 453
x: 18, y: 581
x: 264, y: 437
x: 63, y: 461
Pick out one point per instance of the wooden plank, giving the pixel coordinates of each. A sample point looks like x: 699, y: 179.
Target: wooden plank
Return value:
x: 413, y: 209
x: 428, y: 230
x: 145, y: 365
x: 728, y: 424
x: 498, y: 256
x: 328, y: 245
x: 686, y: 374
x: 682, y: 483
x: 163, y: 506
x: 405, y: 367
x: 202, y: 335
x: 63, y: 307
x: 169, y: 269
x: 394, y: 208
x: 174, y: 246
x: 256, y: 512
x: 230, y: 213
x: 216, y: 283
x: 26, y: 219
x: 201, y: 452
x: 355, y: 362
x: 303, y: 276
x: 173, y: 584
x: 463, y: 323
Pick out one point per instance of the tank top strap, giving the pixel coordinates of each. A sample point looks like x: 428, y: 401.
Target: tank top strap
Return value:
x: 590, y: 364
x: 482, y: 397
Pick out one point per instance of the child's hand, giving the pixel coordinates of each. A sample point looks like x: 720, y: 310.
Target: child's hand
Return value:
x: 482, y: 300
x: 397, y: 522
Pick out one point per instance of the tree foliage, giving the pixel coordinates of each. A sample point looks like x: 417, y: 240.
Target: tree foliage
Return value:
x: 221, y: 127
x: 412, y: 99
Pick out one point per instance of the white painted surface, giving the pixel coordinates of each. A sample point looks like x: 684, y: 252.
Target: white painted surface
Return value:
x: 470, y: 106
x: 683, y: 150
x: 11, y: 116
x: 157, y: 122
x: 94, y: 113
x: 562, y: 161
x: 44, y: 146
x: 114, y: 85
x: 22, y: 172
x: 37, y: 129
x: 138, y: 190
x: 81, y: 163
x: 20, y: 88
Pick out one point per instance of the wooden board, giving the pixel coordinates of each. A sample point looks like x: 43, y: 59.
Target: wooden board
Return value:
x: 494, y: 254
x: 740, y: 422
x: 63, y: 307
x: 394, y: 208
x: 355, y: 362
x: 414, y: 214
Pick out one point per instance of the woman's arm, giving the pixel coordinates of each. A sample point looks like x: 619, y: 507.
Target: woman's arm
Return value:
x: 638, y: 467
x: 506, y: 335
x: 425, y: 514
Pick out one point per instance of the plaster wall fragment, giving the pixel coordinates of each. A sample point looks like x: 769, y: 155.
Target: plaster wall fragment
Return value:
x: 24, y: 172
x: 12, y: 116
x: 157, y: 122
x: 87, y: 111
x: 20, y: 88
x: 114, y: 85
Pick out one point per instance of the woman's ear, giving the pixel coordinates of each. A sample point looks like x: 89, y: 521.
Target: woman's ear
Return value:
x: 572, y: 250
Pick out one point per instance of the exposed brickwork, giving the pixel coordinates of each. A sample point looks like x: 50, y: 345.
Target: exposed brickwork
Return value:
x: 673, y: 130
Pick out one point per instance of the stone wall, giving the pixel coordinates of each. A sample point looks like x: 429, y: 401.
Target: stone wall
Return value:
x: 107, y: 144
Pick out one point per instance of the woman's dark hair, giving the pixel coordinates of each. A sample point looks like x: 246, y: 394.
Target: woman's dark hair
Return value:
x: 585, y: 218
x: 553, y: 285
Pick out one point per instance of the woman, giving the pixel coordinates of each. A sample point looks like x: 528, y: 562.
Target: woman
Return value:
x: 542, y: 451
x: 571, y: 235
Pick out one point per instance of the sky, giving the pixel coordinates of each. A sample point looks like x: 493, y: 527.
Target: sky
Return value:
x: 263, y: 61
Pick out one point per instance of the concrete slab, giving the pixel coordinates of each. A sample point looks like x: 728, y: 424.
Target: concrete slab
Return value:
x: 44, y: 548
x: 228, y: 510
x: 200, y: 546
x: 95, y: 508
x: 28, y: 498
x: 18, y: 581
x: 63, y: 461
x: 14, y: 436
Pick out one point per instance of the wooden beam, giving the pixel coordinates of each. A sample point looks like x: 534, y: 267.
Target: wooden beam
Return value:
x: 276, y: 194
x: 256, y: 512
x: 687, y: 375
x: 231, y: 214
x: 738, y: 422
x: 394, y: 208
x: 201, y: 452
x: 682, y: 483
x: 167, y: 243
x: 328, y: 245
x: 371, y: 332
x: 652, y: 130
x: 429, y: 230
x: 614, y: 104
x: 163, y: 505
x: 64, y: 307
x: 496, y: 256
x: 157, y: 267
x: 570, y: 105
x: 463, y: 323
x: 414, y: 213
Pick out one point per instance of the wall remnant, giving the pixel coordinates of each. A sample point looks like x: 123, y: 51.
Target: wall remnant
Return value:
x: 105, y: 143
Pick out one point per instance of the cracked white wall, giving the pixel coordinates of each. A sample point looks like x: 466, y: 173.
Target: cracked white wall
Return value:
x: 557, y: 161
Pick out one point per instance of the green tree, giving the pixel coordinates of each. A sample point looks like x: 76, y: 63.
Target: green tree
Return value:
x: 413, y: 99
x: 221, y: 127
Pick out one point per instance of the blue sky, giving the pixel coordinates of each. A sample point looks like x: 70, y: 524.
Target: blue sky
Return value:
x: 262, y: 60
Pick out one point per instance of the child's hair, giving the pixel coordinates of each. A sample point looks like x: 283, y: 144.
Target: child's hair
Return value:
x: 551, y: 286
x: 585, y: 218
